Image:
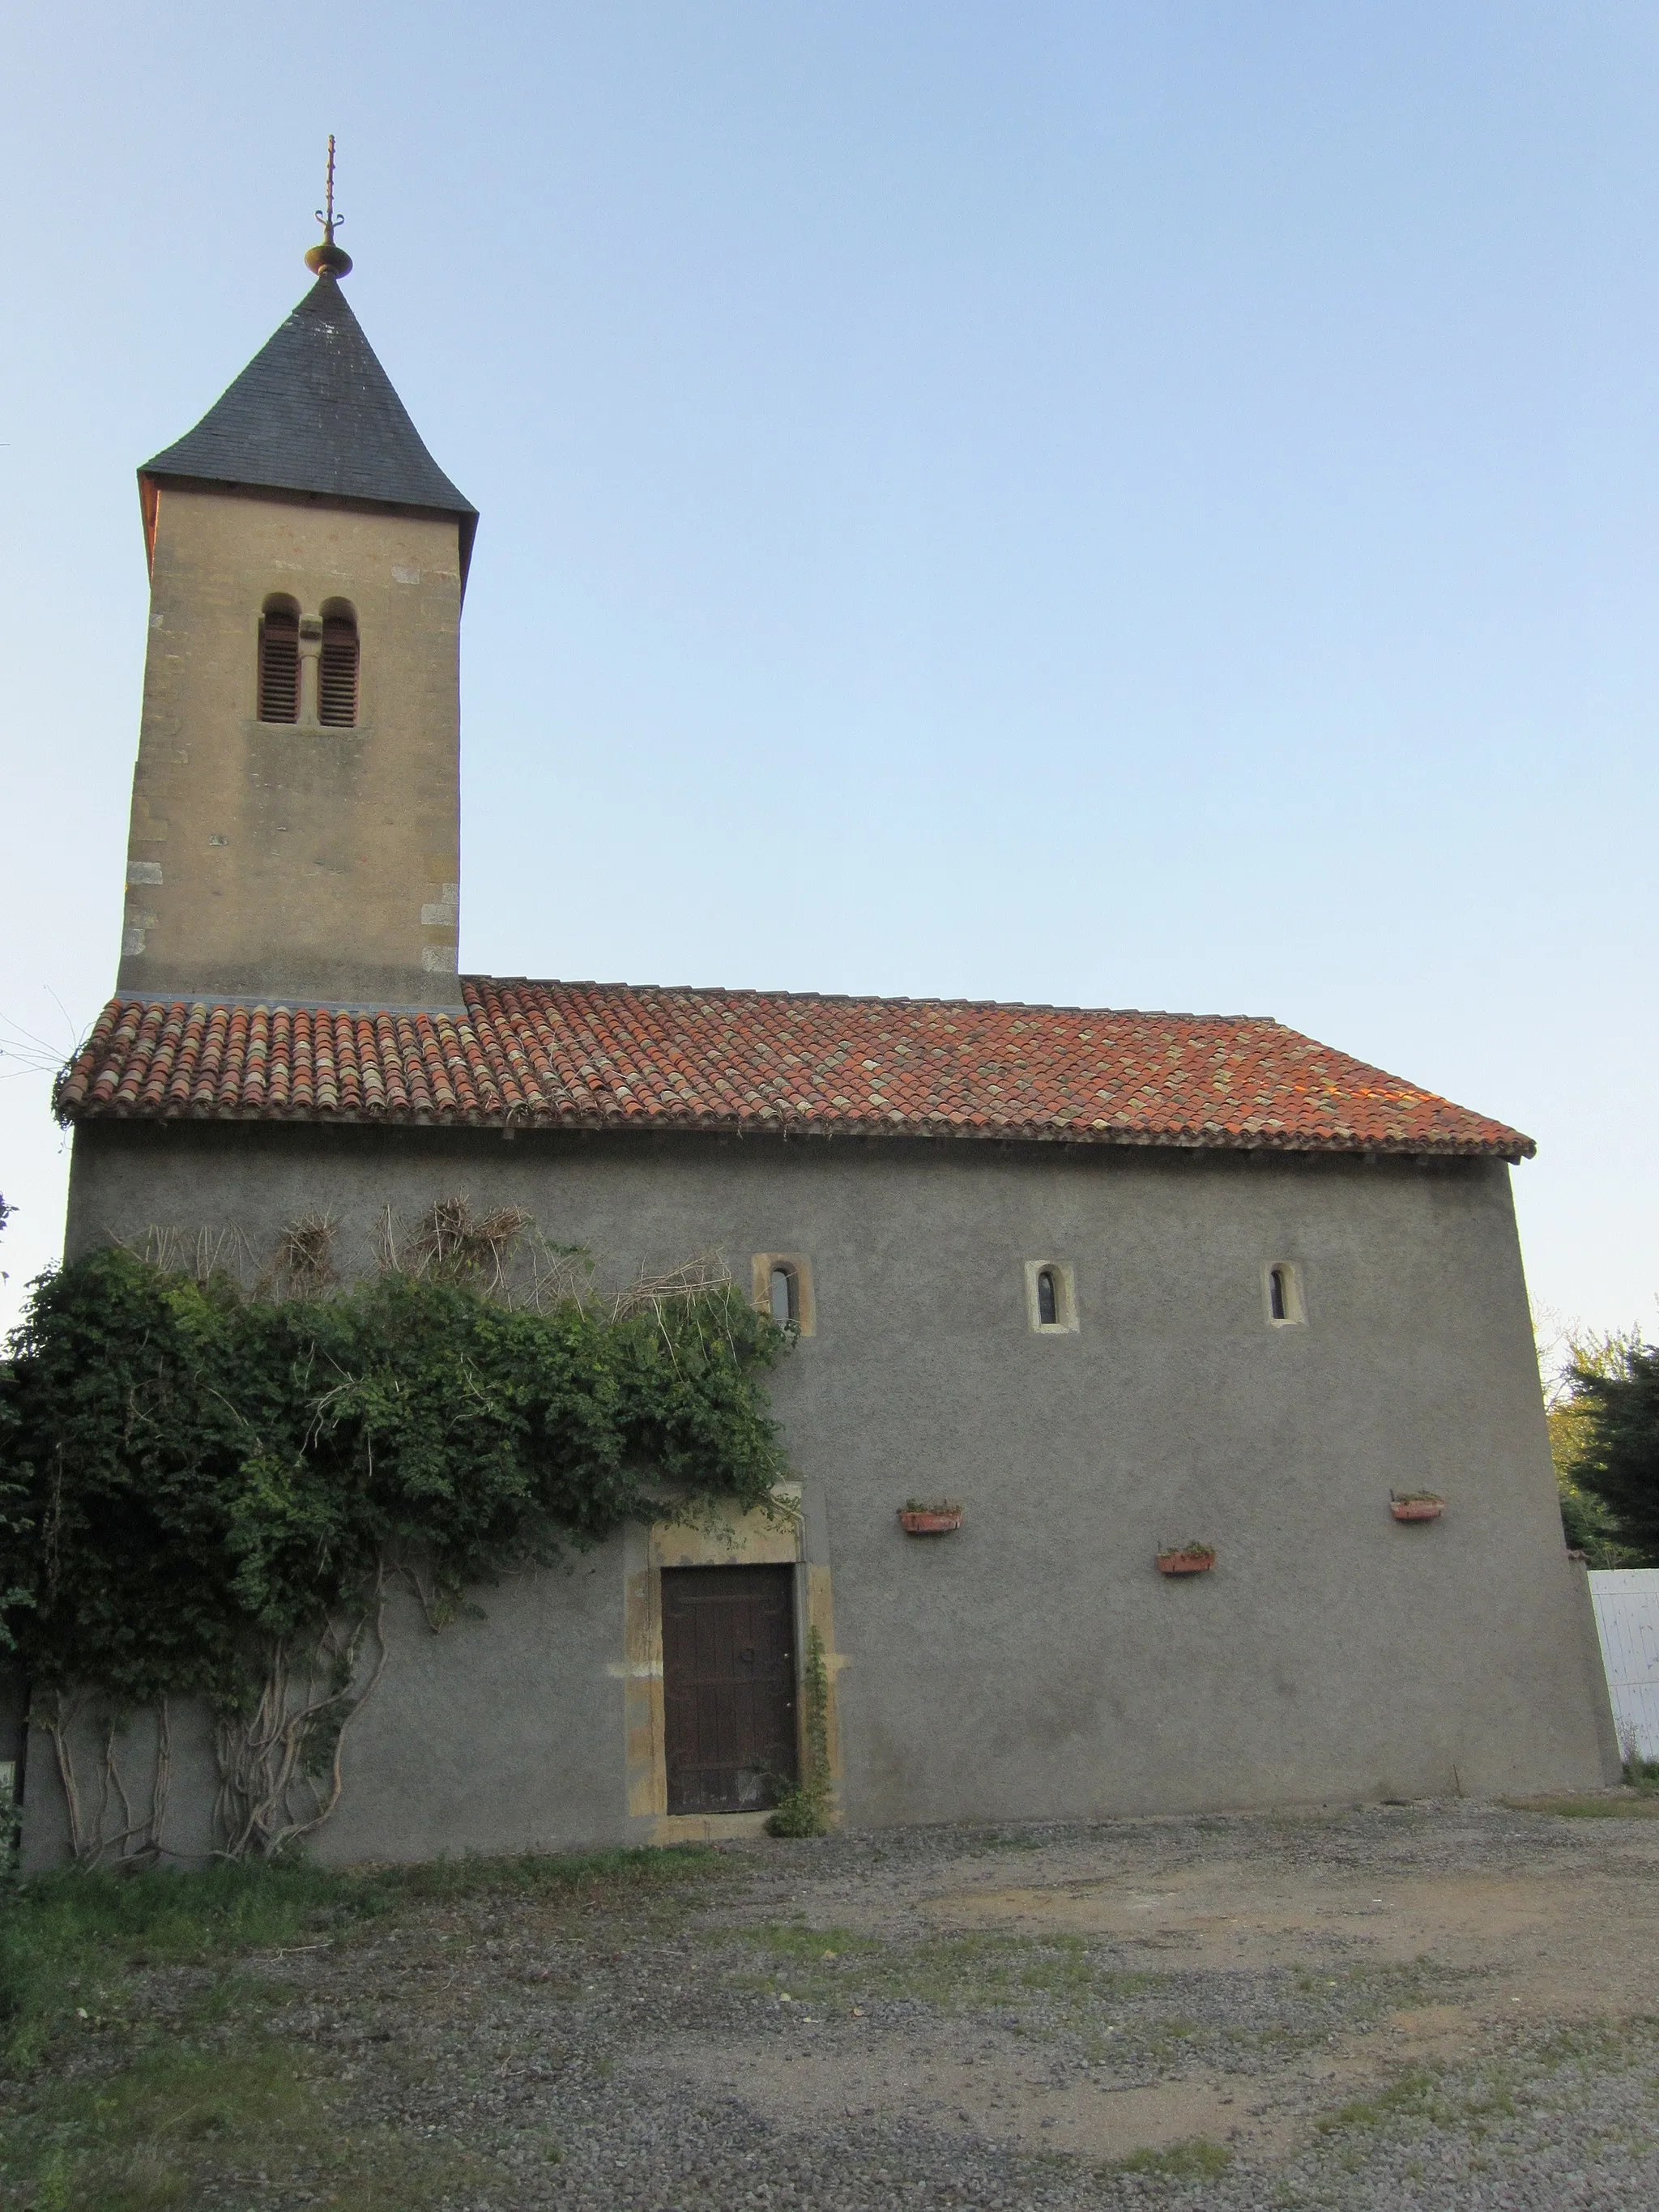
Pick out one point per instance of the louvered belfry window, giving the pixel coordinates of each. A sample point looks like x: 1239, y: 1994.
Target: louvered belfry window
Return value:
x: 279, y: 665
x: 336, y: 673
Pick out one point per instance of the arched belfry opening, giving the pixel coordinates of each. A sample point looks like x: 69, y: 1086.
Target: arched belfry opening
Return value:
x: 278, y: 675
x: 337, y: 667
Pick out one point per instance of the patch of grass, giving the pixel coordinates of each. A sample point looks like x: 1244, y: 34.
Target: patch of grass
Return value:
x: 961, y: 1972
x: 1499, y: 2090
x: 69, y: 1941
x: 1645, y: 1808
x: 1424, y: 2094
x: 1160, y: 2039
x: 1066, y: 1965
x: 1593, y: 2044
x: 1299, y: 2010
x: 1492, y: 2102
x: 113, y: 2108
x: 1196, y: 2159
x: 192, y: 2095
x: 539, y: 1874
x: 151, y: 2137
x: 1417, y: 2094
x: 1069, y: 1988
x: 794, y: 1942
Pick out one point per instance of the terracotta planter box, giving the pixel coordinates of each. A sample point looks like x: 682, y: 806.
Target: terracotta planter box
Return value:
x: 1185, y: 1563
x: 1417, y: 1509
x: 915, y: 1522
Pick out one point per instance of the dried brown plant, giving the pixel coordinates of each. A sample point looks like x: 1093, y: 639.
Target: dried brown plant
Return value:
x: 304, y: 1263
x: 456, y: 1245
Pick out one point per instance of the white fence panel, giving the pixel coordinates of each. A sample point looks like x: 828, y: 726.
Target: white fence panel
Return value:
x: 1626, y: 1601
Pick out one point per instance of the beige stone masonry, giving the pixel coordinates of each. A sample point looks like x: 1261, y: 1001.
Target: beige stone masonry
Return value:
x: 291, y: 860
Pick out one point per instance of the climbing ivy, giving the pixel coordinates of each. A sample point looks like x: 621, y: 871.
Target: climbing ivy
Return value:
x: 804, y: 1807
x: 196, y: 1481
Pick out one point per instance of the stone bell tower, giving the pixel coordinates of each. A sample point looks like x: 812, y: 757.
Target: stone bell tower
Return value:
x: 295, y: 808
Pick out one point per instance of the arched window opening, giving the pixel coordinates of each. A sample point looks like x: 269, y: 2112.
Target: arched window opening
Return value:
x: 279, y: 662
x: 336, y: 669
x: 785, y: 1290
x: 1051, y: 1297
x: 1278, y: 1294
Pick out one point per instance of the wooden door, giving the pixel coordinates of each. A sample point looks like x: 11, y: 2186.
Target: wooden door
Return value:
x: 728, y: 1682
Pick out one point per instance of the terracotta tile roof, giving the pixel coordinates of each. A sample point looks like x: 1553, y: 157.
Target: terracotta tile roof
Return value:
x: 555, y: 1056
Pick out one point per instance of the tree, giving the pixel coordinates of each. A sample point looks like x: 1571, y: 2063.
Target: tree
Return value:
x: 1606, y: 1438
x: 16, y: 1527
x: 1567, y: 1350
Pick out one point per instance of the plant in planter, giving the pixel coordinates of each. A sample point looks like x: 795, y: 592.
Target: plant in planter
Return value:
x: 930, y: 1516
x: 1189, y: 1559
x: 1416, y: 1504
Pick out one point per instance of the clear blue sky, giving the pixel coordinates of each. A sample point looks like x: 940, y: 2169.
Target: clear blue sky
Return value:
x: 1145, y: 506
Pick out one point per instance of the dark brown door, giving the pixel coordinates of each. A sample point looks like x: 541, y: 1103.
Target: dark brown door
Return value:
x: 728, y: 1685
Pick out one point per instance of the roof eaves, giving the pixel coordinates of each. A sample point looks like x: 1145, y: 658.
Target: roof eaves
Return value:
x: 1509, y: 1145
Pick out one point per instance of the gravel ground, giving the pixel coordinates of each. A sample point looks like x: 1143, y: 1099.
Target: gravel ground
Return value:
x: 1423, y: 2006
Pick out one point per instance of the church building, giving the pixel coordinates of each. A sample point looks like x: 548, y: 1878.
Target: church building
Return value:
x: 1172, y: 1309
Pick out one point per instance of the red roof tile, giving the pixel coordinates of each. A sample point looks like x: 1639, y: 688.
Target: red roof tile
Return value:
x: 556, y: 1055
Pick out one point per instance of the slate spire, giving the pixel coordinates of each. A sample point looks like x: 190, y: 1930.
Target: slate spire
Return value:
x: 314, y: 411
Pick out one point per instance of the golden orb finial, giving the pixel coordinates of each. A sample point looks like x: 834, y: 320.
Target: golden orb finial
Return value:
x: 329, y: 259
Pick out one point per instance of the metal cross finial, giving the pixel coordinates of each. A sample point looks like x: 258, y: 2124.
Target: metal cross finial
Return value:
x: 328, y: 259
x: 331, y: 219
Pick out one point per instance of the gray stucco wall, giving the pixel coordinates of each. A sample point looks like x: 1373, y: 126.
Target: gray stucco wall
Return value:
x: 1033, y: 1665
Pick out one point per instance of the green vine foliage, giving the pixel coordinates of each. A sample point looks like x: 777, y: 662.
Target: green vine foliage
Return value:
x: 191, y: 1477
x: 803, y: 1809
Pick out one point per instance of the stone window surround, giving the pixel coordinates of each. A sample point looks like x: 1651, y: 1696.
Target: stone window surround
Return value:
x: 1065, y: 1275
x: 801, y: 1266
x: 1295, y: 1300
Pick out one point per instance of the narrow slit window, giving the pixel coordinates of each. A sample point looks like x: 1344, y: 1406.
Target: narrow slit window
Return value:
x: 336, y: 672
x: 1287, y: 1306
x: 1051, y: 1298
x: 279, y: 664
x: 783, y: 1290
x: 784, y: 1287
